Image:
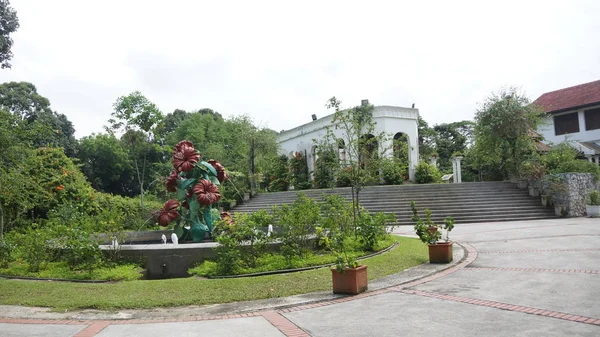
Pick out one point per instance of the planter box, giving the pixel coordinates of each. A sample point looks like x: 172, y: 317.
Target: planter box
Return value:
x: 545, y: 200
x: 592, y: 210
x: 440, y: 252
x: 560, y: 210
x: 352, y: 281
x: 534, y: 191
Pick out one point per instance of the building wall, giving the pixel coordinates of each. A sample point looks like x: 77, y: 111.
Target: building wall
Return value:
x: 547, y: 129
x: 388, y: 119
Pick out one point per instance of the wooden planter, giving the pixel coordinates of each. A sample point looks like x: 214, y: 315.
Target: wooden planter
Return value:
x: 440, y: 252
x: 352, y: 281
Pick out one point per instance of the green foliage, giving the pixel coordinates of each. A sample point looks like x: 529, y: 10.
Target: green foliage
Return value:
x: 60, y: 270
x: 503, y: 131
x: 6, y: 250
x: 278, y: 176
x: 299, y: 172
x: 10, y: 24
x: 326, y: 166
x: 337, y: 213
x: 298, y: 222
x: 451, y: 139
x: 35, y: 121
x: 78, y: 249
x: 427, y: 230
x: 228, y: 254
x: 579, y: 166
x: 371, y: 228
x: 557, y: 155
x: 106, y: 163
x: 593, y: 199
x: 394, y: 171
x: 344, y: 177
x: 261, y: 218
x: 427, y: 174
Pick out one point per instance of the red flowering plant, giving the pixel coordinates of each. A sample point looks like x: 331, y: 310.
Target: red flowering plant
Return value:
x: 196, y: 184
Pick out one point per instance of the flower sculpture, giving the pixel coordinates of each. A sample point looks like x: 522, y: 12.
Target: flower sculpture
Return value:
x: 196, y: 184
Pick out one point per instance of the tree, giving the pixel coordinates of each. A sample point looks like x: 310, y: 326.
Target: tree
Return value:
x: 451, y: 138
x: 363, y: 146
x: 503, y: 126
x: 106, y: 163
x: 9, y: 23
x: 139, y: 119
x: 43, y: 126
x: 426, y: 139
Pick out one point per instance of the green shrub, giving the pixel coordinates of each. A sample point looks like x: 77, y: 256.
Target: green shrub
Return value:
x: 298, y: 222
x: 228, y: 254
x: 393, y: 171
x: 261, y: 218
x: 35, y: 248
x: 594, y: 198
x: 427, y: 174
x: 278, y: 175
x: 371, y: 228
x: 5, y: 253
x: 579, y: 166
x: 344, y: 179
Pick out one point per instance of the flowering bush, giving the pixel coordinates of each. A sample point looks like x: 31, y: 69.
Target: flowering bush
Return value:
x: 196, y: 184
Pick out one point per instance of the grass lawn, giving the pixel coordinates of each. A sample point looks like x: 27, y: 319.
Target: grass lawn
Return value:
x: 194, y: 291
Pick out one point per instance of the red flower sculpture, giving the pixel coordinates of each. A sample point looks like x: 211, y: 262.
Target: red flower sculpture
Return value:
x: 182, y: 144
x: 206, y: 192
x: 221, y: 174
x: 171, y: 183
x: 185, y: 156
x: 168, y: 213
x: 225, y: 216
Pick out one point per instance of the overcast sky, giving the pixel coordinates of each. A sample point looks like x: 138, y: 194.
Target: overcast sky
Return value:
x: 279, y: 63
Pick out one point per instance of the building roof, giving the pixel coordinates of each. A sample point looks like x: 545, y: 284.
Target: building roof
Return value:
x: 570, y: 98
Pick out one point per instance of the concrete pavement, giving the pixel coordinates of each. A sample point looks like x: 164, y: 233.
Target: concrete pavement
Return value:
x: 536, y: 278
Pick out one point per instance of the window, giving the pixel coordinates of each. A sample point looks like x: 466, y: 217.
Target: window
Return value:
x: 568, y: 123
x: 592, y: 119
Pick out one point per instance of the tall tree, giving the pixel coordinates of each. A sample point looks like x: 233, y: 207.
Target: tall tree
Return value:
x: 106, y: 163
x: 32, y: 110
x: 426, y: 139
x: 139, y: 119
x: 9, y: 22
x: 502, y: 131
x: 451, y: 138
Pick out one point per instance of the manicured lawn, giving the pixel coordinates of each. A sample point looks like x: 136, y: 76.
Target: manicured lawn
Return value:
x: 195, y: 291
x: 60, y: 270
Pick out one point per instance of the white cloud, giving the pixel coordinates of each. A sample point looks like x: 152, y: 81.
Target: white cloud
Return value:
x: 279, y: 61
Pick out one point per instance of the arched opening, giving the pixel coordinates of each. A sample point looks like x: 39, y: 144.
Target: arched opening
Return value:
x: 368, y: 151
x: 401, y: 153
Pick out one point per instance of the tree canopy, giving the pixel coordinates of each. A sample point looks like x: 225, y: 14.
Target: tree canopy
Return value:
x: 9, y: 23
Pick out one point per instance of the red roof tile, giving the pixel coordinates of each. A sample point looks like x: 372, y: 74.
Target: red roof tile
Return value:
x: 572, y: 97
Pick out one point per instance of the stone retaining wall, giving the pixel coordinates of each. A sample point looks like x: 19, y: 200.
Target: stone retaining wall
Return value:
x: 577, y: 187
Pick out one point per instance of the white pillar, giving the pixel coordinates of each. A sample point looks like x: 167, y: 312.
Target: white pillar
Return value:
x: 458, y: 173
x: 598, y: 159
x: 589, y: 157
x: 433, y: 161
x: 454, y: 171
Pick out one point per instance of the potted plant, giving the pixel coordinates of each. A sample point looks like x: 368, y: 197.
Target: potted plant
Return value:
x: 545, y: 199
x: 347, y: 277
x: 592, y: 206
x: 431, y: 234
x: 558, y: 192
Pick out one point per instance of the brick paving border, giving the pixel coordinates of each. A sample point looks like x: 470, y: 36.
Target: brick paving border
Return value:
x: 506, y: 306
x: 93, y: 329
x: 538, y: 270
x: 284, y: 325
x: 542, y: 251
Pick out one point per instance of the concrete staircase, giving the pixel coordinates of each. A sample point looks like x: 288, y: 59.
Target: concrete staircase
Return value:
x: 466, y: 202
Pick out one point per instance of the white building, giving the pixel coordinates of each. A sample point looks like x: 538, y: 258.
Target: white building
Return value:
x: 573, y: 115
x: 392, y: 120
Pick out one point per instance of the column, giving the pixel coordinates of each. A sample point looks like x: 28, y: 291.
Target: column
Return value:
x: 433, y: 161
x: 589, y: 157
x: 458, y: 176
x: 454, y: 173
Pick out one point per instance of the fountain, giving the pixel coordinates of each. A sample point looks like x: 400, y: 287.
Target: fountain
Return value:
x: 196, y: 187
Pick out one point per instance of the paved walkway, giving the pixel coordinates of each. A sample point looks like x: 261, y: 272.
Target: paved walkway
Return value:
x: 536, y: 278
